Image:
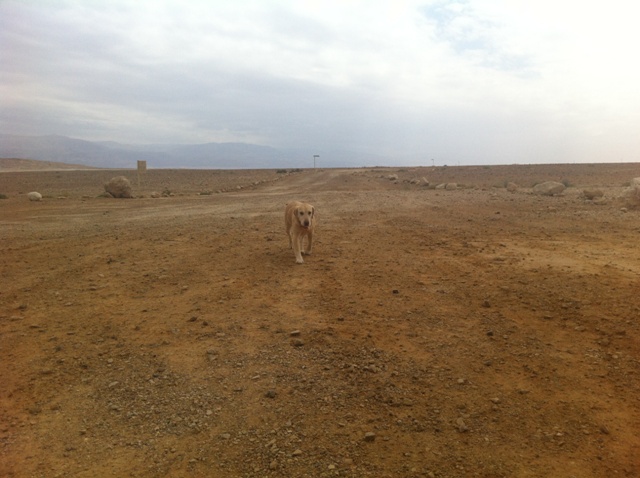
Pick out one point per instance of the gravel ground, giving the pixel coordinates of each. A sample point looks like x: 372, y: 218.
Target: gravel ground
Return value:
x: 433, y: 333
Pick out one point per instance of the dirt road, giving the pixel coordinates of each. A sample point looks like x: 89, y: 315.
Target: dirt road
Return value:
x: 472, y: 332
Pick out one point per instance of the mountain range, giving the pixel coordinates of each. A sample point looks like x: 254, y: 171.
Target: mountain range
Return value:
x: 110, y: 154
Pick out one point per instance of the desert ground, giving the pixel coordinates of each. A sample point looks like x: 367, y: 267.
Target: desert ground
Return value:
x: 473, y: 332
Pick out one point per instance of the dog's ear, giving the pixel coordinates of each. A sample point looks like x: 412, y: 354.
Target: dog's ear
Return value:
x: 313, y: 211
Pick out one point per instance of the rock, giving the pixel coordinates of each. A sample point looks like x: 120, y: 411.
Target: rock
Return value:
x: 512, y: 187
x: 462, y: 426
x: 297, y: 452
x: 155, y: 194
x: 592, y: 194
x: 119, y: 187
x: 631, y: 195
x: 369, y: 436
x: 393, y: 177
x: 451, y: 186
x: 548, y: 188
x: 270, y: 394
x: 34, y: 196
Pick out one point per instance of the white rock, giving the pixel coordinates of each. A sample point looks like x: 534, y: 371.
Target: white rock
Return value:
x: 549, y: 188
x: 34, y: 196
x: 119, y: 187
x: 592, y: 193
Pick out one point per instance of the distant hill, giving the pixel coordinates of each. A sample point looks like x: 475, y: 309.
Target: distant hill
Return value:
x: 17, y: 164
x: 109, y: 154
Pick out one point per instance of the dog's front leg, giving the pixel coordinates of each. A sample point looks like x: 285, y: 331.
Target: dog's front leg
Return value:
x: 309, y: 243
x: 297, y: 249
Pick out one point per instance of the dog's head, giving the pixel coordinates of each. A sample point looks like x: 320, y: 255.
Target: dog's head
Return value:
x: 304, y: 214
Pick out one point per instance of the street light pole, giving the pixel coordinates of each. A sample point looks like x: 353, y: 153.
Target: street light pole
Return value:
x: 314, y: 160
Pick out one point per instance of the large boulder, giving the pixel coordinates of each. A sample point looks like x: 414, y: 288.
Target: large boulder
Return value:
x: 34, y: 196
x: 549, y: 188
x: 119, y: 187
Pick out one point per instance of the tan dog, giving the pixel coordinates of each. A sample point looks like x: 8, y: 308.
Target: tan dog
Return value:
x: 299, y: 220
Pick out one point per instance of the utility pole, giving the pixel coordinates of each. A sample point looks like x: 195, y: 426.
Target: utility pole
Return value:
x: 314, y: 160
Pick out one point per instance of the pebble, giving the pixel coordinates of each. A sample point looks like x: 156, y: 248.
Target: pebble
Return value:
x: 297, y: 452
x: 369, y: 436
x: 462, y: 426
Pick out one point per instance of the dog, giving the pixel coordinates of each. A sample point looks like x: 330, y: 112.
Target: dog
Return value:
x: 299, y: 221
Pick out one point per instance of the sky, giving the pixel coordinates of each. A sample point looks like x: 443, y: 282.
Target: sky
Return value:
x: 417, y: 82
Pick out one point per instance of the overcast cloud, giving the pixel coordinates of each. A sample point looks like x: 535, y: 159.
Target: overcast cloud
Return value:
x: 459, y: 82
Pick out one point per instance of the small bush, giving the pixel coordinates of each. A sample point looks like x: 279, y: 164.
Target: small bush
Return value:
x: 4, y: 196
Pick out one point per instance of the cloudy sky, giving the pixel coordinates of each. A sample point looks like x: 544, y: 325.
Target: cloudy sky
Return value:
x: 420, y: 82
